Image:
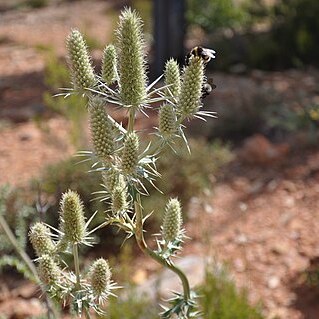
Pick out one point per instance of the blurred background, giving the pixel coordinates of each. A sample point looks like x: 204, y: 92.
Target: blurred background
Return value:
x: 249, y: 189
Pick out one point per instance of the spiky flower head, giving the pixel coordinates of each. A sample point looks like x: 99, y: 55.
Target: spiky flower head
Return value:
x: 172, y: 78
x: 167, y: 121
x: 102, y: 130
x: 111, y: 178
x: 100, y: 277
x: 109, y: 65
x: 41, y: 240
x: 172, y: 221
x: 130, y: 154
x: 132, y: 70
x: 49, y: 271
x: 80, y: 61
x: 72, y: 217
x: 191, y: 89
x: 119, y: 199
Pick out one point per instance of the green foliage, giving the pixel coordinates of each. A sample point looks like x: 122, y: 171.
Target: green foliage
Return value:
x: 69, y: 174
x: 194, y: 176
x: 131, y: 306
x: 56, y: 76
x: 218, y: 297
x: 17, y: 217
x: 221, y: 300
x: 287, y: 121
x: 37, y: 3
x: 296, y: 28
x: 211, y: 15
x: 17, y: 264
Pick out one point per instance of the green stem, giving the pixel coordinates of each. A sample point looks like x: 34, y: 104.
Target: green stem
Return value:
x: 28, y: 262
x: 143, y: 246
x: 131, y: 119
x: 76, y: 265
x: 87, y: 313
x: 18, y: 249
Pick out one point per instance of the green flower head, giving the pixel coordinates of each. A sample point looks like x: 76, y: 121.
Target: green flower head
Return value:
x: 130, y: 154
x: 119, y: 201
x: 80, y: 62
x: 102, y: 130
x: 172, y: 78
x: 100, y: 277
x: 41, y: 239
x: 172, y: 221
x: 109, y: 65
x: 167, y: 121
x: 72, y: 217
x: 191, y: 89
x: 49, y: 271
x: 132, y: 69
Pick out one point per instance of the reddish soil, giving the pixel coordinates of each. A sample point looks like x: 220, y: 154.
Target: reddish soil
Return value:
x: 262, y: 220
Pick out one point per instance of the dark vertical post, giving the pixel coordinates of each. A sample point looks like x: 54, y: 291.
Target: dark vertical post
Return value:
x: 169, y: 32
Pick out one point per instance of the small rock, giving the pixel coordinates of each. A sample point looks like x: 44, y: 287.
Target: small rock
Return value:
x: 281, y: 248
x: 273, y: 282
x: 239, y: 265
x: 139, y: 277
x: 241, y: 239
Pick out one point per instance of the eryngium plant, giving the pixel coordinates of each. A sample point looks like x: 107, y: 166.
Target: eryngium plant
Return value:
x: 127, y: 168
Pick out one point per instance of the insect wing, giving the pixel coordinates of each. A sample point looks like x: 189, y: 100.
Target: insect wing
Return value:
x: 210, y: 53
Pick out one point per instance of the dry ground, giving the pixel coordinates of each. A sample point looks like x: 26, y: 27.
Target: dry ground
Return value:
x: 262, y: 220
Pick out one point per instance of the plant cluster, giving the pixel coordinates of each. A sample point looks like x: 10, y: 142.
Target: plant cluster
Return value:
x: 128, y: 169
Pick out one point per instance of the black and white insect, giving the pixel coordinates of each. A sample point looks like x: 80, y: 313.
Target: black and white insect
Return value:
x: 208, y: 87
x: 205, y: 54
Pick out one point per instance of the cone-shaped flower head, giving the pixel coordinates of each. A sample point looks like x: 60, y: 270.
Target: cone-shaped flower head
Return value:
x: 80, y: 62
x: 172, y: 77
x: 100, y: 277
x: 72, y: 217
x: 191, y: 88
x: 167, y: 121
x: 49, y: 271
x: 109, y: 65
x: 111, y: 178
x: 119, y: 199
x: 102, y: 130
x: 41, y: 240
x: 130, y: 154
x: 172, y: 221
x: 131, y: 66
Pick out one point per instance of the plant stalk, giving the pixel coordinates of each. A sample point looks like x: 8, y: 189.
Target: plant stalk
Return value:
x: 131, y: 119
x: 146, y: 250
x: 76, y: 265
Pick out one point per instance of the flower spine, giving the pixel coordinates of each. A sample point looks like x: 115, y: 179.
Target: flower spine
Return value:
x: 109, y: 62
x: 100, y: 277
x: 49, y: 271
x: 172, y: 221
x: 72, y: 217
x: 102, y: 130
x: 167, y: 121
x: 172, y: 78
x: 41, y: 240
x: 80, y: 62
x: 130, y: 154
x: 132, y: 73
x: 191, y: 88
